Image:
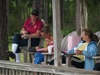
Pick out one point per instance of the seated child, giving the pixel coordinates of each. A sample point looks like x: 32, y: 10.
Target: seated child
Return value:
x: 45, y: 33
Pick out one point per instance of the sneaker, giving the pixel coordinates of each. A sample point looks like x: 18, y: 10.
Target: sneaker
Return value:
x: 11, y: 54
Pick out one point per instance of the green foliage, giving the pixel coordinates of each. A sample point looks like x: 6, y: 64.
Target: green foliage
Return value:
x: 50, y: 13
x: 69, y: 11
x: 19, y: 11
x: 69, y: 17
x: 93, y: 14
x: 66, y: 30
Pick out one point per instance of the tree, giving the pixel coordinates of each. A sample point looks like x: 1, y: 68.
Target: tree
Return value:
x: 93, y: 14
x: 81, y: 15
x: 3, y: 30
x: 62, y: 12
x: 78, y: 15
x: 46, y: 11
x: 38, y: 4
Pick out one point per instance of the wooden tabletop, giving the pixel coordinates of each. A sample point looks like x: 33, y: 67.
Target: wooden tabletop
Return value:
x: 48, y: 53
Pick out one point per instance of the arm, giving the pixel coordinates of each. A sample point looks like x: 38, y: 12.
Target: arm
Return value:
x: 91, y: 51
x: 42, y: 49
x: 70, y: 51
x: 38, y: 31
x: 37, y: 34
x: 74, y: 50
x: 45, y: 49
x: 23, y: 31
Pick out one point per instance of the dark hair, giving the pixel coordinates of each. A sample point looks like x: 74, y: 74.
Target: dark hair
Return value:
x: 35, y: 12
x: 45, y: 29
x: 91, y: 35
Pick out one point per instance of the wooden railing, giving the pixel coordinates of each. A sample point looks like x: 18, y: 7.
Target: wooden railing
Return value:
x: 13, y: 68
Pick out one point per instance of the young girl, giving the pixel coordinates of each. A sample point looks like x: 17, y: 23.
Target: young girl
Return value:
x: 45, y: 33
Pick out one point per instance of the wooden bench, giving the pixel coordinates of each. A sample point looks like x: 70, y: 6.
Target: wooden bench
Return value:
x: 64, y: 47
x: 97, y: 58
x: 47, y: 57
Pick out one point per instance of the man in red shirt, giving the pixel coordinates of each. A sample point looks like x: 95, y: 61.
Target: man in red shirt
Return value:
x: 31, y: 28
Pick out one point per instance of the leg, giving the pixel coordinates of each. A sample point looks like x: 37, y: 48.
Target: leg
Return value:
x: 77, y: 62
x: 15, y: 46
x: 38, y: 58
x: 35, y: 42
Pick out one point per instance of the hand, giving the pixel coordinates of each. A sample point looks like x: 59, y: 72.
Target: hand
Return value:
x: 64, y: 51
x: 78, y: 52
x: 24, y: 36
x: 37, y: 47
x: 24, y: 32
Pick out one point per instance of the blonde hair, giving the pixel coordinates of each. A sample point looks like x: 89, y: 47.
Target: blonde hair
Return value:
x: 45, y: 29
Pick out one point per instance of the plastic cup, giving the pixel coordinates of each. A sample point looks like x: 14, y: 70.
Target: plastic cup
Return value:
x: 50, y: 49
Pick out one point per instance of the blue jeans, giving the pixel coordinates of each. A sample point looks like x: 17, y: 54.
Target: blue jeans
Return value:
x: 24, y: 42
x: 38, y: 58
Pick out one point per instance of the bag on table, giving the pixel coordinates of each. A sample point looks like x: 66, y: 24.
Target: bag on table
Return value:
x: 73, y: 41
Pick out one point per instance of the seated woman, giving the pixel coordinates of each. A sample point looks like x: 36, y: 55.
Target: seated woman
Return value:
x: 84, y: 51
x: 45, y: 33
x: 88, y: 48
x: 31, y: 28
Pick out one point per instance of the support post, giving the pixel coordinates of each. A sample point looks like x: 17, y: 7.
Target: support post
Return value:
x: 56, y: 31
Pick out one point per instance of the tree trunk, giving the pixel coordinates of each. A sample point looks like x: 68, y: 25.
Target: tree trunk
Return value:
x: 37, y: 4
x: 68, y: 12
x: 84, y: 14
x: 81, y: 15
x: 78, y: 16
x: 3, y: 30
x: 46, y: 6
x: 19, y: 16
x: 62, y: 12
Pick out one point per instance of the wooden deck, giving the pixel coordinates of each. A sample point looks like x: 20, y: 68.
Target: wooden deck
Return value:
x: 13, y: 68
